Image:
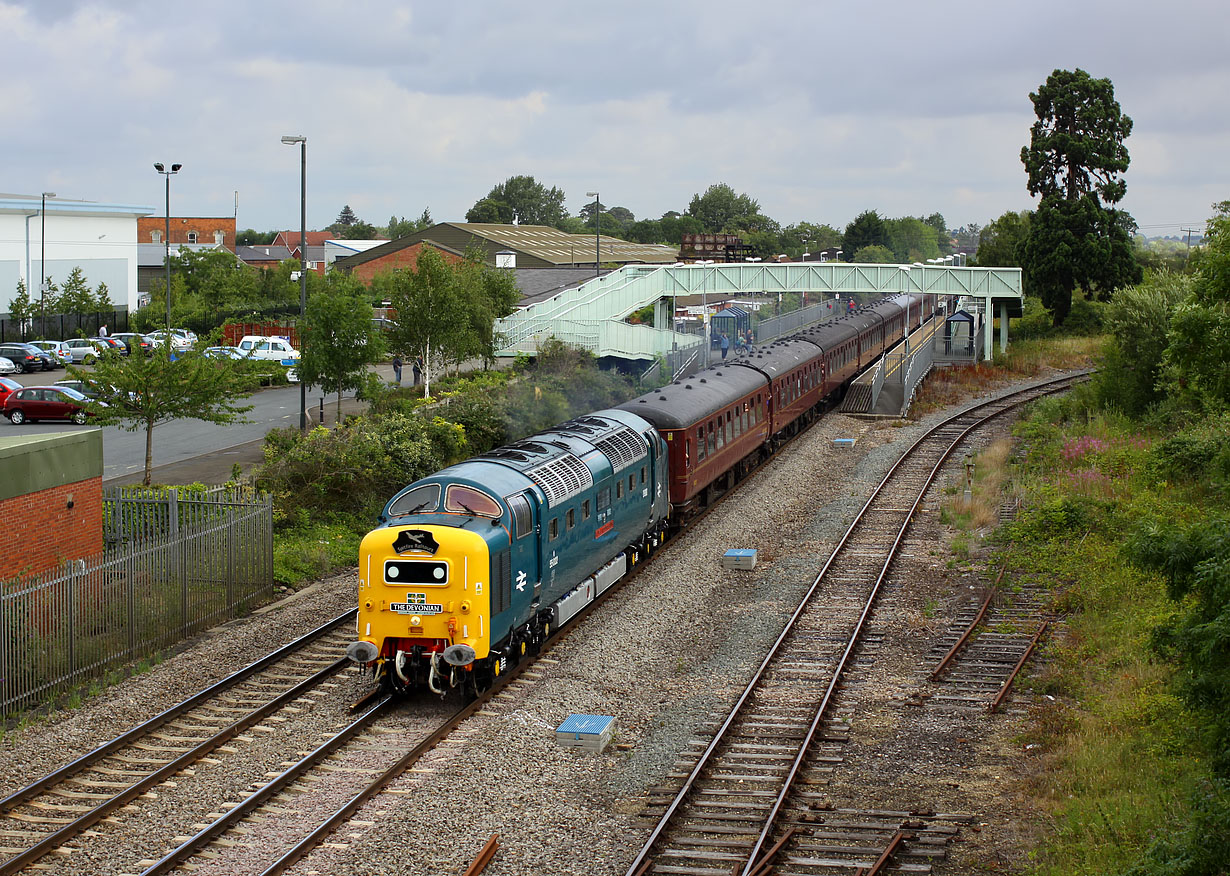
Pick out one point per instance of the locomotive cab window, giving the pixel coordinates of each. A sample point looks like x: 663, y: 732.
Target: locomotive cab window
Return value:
x: 522, y: 517
x: 418, y: 500
x: 468, y: 500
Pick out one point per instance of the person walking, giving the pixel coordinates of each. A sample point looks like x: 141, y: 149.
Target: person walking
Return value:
x: 397, y: 363
x: 725, y: 344
x: 418, y: 370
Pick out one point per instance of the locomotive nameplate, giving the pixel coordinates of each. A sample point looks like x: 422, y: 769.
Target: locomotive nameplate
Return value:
x: 416, y: 607
x: 416, y: 603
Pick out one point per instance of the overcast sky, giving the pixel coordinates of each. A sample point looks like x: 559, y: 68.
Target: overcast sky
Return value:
x: 816, y: 109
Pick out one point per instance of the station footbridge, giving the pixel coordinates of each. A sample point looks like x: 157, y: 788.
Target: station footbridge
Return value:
x: 593, y: 315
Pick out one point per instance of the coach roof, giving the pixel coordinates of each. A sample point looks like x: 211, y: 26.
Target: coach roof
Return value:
x: 693, y: 399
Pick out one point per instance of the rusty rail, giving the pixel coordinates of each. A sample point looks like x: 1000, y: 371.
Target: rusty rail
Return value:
x: 1003, y: 691
x: 969, y: 631
x: 484, y: 857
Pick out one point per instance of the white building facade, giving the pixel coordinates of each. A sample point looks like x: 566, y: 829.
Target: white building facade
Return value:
x: 101, y: 239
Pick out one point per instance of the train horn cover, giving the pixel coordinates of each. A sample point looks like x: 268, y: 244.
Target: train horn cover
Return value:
x: 459, y: 655
x: 361, y: 652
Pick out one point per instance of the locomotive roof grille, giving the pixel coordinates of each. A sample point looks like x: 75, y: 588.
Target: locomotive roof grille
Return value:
x: 622, y: 448
x: 562, y: 478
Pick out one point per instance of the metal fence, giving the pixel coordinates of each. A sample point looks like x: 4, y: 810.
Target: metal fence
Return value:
x: 61, y: 326
x: 175, y: 564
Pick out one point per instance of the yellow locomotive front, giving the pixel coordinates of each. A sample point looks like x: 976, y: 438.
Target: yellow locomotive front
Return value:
x: 424, y: 605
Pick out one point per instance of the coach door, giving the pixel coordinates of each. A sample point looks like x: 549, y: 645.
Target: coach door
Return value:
x: 526, y: 546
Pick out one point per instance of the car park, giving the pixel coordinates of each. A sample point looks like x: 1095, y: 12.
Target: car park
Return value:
x: 135, y: 341
x: 84, y: 351
x: 55, y: 349
x: 26, y: 357
x: 34, y: 403
x: 7, y: 366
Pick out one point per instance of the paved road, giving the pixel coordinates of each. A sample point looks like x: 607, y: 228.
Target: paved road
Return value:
x: 190, y: 450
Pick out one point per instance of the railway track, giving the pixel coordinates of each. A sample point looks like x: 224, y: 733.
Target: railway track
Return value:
x: 744, y: 805
x: 65, y: 809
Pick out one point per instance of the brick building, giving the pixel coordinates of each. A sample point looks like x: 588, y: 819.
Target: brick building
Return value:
x: 51, y: 498
x: 204, y: 230
x: 383, y: 260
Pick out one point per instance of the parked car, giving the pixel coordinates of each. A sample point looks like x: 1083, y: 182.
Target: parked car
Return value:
x: 277, y: 349
x: 34, y: 403
x: 56, y: 349
x: 26, y: 357
x: 83, y: 351
x: 135, y: 341
x: 7, y: 386
x: 7, y: 366
x: 223, y: 353
x: 112, y: 344
x: 181, y: 340
x: 79, y: 385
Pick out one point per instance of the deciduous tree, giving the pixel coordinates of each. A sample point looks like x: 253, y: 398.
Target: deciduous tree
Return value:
x: 142, y: 392
x: 432, y: 320
x: 999, y: 243
x: 720, y: 208
x: 523, y: 199
x: 339, y: 338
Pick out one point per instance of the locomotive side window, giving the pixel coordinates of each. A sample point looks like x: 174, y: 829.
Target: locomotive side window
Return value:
x: 644, y: 473
x: 570, y: 519
x: 524, y: 520
x: 604, y: 497
x: 619, y: 489
x: 585, y: 510
x: 553, y: 529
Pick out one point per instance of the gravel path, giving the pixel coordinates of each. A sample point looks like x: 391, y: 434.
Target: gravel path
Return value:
x: 669, y: 651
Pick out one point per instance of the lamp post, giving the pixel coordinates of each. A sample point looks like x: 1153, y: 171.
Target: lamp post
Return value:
x: 302, y: 141
x: 42, y: 263
x: 158, y: 166
x: 597, y: 232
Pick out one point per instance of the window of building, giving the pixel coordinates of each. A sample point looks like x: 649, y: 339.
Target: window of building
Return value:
x: 192, y: 237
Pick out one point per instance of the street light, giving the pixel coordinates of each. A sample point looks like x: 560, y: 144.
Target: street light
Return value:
x: 302, y: 141
x: 42, y: 266
x: 597, y: 232
x: 158, y: 166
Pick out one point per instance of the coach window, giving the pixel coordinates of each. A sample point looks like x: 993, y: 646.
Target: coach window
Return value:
x: 721, y: 433
x: 585, y: 510
x: 730, y: 428
x: 570, y: 518
x: 553, y: 529
x: 712, y: 440
x: 700, y: 444
x: 739, y: 421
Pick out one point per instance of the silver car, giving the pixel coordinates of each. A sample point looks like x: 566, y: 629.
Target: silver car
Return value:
x: 83, y: 351
x: 7, y: 366
x: 56, y: 348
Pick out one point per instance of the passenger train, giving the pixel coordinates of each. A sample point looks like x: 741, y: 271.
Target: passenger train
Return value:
x: 473, y: 567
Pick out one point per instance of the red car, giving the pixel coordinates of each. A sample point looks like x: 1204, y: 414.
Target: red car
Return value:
x: 7, y: 387
x: 34, y: 403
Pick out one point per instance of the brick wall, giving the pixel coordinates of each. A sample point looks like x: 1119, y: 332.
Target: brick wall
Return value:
x: 42, y: 531
x: 402, y: 258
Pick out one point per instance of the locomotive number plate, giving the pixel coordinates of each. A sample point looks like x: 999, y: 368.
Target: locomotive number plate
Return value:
x: 416, y: 608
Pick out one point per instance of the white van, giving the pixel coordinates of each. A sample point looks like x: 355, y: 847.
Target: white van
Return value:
x: 275, y: 348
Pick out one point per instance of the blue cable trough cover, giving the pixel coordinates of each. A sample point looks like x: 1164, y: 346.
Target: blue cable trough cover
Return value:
x: 591, y: 732
x: 845, y: 442
x: 743, y: 559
